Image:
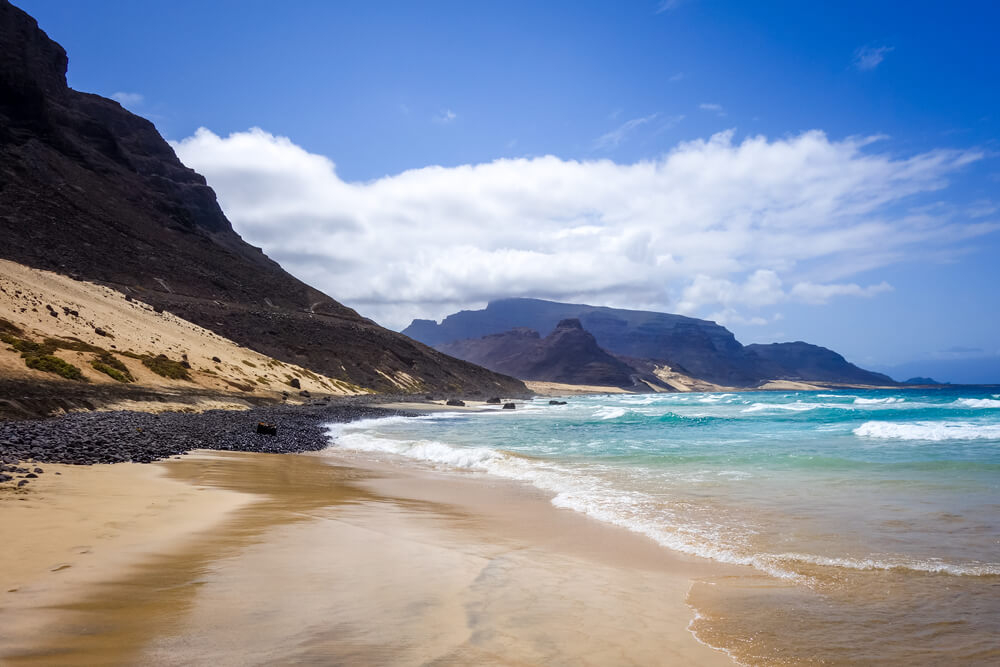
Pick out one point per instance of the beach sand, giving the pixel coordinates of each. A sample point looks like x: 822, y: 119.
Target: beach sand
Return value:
x: 232, y: 559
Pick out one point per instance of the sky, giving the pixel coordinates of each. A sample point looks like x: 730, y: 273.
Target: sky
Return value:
x: 825, y: 172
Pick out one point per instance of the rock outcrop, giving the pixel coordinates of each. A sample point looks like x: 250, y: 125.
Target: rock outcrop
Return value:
x: 568, y: 355
x: 643, y: 340
x: 91, y: 190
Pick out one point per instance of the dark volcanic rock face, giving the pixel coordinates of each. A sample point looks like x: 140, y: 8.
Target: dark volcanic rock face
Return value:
x: 569, y: 354
x: 704, y: 349
x: 91, y: 190
x: 802, y: 361
x: 694, y: 347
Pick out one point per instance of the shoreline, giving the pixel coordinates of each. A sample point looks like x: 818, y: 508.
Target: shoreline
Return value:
x: 327, y: 556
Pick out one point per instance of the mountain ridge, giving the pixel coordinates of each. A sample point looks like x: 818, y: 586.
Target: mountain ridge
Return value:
x: 697, y: 348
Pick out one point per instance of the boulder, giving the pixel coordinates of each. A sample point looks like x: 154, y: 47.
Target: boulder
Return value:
x: 456, y: 403
x: 493, y: 401
x: 509, y: 406
x: 557, y: 402
x: 267, y: 428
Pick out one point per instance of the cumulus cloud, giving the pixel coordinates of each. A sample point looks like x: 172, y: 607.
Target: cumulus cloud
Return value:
x: 128, y: 99
x: 714, y: 225
x: 870, y: 57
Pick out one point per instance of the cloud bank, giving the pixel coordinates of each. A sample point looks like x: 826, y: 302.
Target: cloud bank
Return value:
x: 715, y: 227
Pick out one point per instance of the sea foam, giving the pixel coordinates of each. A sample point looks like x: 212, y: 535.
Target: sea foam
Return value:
x: 927, y: 430
x: 978, y: 403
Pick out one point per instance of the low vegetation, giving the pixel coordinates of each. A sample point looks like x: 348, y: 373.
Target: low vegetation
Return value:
x: 166, y: 367
x: 110, y: 365
x: 41, y: 357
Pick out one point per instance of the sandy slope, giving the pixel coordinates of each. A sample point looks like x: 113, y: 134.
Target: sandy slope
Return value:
x: 83, y: 308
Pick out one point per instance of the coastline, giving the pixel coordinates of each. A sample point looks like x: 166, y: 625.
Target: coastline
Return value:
x: 324, y: 556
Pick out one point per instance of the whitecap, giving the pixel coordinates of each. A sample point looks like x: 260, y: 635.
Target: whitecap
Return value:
x: 878, y: 401
x: 978, y: 403
x: 926, y: 430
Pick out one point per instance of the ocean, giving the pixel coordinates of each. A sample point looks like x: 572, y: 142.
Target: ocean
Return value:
x: 868, y: 521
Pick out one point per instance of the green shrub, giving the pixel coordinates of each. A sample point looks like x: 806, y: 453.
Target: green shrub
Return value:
x: 72, y: 344
x: 52, y: 364
x: 110, y: 365
x: 168, y: 368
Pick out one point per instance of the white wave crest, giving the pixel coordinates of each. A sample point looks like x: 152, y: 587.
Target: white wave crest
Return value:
x: 797, y: 406
x: 878, y: 401
x: 925, y: 430
x: 609, y: 413
x: 978, y: 403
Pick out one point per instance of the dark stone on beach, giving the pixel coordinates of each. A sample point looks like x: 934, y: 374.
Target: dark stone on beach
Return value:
x: 31, y: 475
x: 22, y: 482
x: 557, y: 402
x: 217, y: 360
x: 267, y: 428
x: 493, y: 401
x: 304, y: 394
x: 38, y: 470
x: 5, y: 478
x: 113, y: 437
x: 454, y: 402
x: 509, y: 406
x: 100, y: 332
x: 294, y: 383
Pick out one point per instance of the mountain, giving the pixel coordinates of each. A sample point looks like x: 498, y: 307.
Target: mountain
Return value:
x: 568, y: 355
x: 696, y: 348
x: 812, y: 363
x: 90, y: 190
x: 704, y: 349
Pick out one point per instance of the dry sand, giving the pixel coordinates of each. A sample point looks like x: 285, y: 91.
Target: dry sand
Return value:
x: 561, y: 389
x: 329, y: 559
x: 133, y: 326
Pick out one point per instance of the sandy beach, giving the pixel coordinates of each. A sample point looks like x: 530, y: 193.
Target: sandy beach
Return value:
x: 235, y: 558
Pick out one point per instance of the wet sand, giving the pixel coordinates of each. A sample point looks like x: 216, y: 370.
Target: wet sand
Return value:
x: 330, y: 559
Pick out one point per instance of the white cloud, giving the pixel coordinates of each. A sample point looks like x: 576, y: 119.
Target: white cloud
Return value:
x: 713, y: 224
x: 869, y: 57
x: 128, y: 99
x: 615, y: 137
x: 808, y: 292
x: 712, y: 107
x: 446, y: 116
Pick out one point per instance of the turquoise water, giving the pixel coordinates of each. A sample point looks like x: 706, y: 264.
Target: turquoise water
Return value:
x: 830, y: 494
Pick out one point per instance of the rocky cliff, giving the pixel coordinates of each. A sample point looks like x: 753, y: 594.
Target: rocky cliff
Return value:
x: 569, y: 355
x: 693, y: 347
x: 91, y: 190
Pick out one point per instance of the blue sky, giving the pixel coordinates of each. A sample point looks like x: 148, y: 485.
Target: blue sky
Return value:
x: 397, y: 97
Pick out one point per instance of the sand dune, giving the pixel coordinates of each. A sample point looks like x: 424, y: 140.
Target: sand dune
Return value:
x: 49, y: 305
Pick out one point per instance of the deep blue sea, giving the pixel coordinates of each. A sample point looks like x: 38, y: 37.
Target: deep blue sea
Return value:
x: 850, y: 509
